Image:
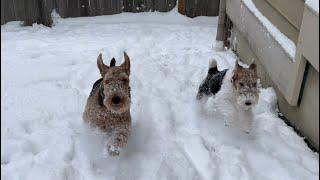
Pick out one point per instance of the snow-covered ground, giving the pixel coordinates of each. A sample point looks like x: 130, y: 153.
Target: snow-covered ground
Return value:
x: 47, y: 74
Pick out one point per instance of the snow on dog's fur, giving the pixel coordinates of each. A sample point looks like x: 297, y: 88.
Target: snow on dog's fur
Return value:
x: 236, y: 90
x: 108, y: 106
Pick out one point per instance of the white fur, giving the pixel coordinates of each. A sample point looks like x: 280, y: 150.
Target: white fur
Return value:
x: 231, y: 106
x: 212, y: 63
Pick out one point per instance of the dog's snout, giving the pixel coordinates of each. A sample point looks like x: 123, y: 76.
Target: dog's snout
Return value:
x: 116, y: 99
x: 248, y: 103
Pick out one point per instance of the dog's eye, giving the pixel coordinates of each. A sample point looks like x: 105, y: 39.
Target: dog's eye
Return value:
x: 241, y: 84
x: 124, y: 80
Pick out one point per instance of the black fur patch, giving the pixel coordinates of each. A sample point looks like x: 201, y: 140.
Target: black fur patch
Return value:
x: 212, y: 83
x: 96, y: 86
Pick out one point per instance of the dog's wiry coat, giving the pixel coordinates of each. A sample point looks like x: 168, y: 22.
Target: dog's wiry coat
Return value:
x: 212, y: 83
x: 108, y: 106
x: 237, y: 93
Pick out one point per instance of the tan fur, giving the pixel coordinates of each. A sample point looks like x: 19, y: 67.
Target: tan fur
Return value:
x: 245, y: 78
x: 113, y: 118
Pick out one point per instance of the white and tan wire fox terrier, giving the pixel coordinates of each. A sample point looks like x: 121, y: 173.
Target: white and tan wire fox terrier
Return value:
x: 236, y: 91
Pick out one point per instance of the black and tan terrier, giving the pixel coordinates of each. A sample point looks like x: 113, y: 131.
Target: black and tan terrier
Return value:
x: 108, y: 106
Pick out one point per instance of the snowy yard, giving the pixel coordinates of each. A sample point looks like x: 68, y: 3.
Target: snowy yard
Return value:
x: 47, y: 75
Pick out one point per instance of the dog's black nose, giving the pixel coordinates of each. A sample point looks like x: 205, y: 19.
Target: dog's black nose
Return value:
x: 116, y: 99
x: 248, y: 103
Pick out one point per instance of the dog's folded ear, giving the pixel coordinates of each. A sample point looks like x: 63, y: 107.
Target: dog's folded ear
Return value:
x: 112, y: 62
x: 101, y: 66
x: 126, y: 63
x: 253, y: 66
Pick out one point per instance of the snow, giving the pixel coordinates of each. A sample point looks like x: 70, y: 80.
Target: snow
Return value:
x: 47, y: 75
x: 313, y: 4
x: 288, y: 45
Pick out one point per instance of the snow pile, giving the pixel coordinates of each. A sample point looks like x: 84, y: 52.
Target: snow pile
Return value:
x: 288, y: 45
x: 313, y: 4
x: 47, y: 75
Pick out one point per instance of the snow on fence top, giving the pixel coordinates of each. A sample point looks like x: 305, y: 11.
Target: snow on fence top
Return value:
x: 282, y: 39
x: 314, y: 5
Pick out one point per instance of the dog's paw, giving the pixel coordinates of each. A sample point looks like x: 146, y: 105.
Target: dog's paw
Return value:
x: 113, y: 150
x: 247, y: 128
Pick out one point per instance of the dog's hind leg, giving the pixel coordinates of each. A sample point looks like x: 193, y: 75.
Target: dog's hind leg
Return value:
x: 119, y: 139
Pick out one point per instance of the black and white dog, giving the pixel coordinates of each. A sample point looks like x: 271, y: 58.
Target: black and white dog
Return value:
x: 235, y: 90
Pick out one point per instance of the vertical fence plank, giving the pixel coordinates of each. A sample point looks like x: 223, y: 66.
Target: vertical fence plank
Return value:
x: 31, y: 8
x: 9, y: 12
x: 171, y: 4
x: 92, y: 7
x: 73, y: 9
x: 45, y: 9
x: 62, y: 6
x: 148, y: 5
x: 84, y: 5
x: 182, y: 7
x: 2, y: 12
x: 195, y: 8
x: 213, y: 7
x: 127, y: 6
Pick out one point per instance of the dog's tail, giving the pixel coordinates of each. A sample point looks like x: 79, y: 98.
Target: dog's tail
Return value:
x: 212, y: 66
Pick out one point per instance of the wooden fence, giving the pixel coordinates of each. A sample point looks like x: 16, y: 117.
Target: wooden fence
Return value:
x: 193, y: 8
x: 31, y: 11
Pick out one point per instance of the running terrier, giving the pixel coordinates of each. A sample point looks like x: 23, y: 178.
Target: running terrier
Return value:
x: 108, y: 106
x: 236, y: 92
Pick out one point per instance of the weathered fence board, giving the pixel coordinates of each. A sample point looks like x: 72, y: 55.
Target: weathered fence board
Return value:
x: 9, y: 12
x: 213, y: 7
x: 39, y: 11
x: 28, y: 11
x: 31, y: 11
x: 148, y: 5
x: 193, y: 8
x: 2, y: 12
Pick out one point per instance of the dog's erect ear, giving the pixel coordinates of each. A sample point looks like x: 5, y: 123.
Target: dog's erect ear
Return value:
x: 101, y: 66
x: 126, y: 63
x: 112, y: 62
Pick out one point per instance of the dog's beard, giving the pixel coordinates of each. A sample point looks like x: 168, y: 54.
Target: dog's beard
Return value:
x: 123, y: 106
x: 243, y: 98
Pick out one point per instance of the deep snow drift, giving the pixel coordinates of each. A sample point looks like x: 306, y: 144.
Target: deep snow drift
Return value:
x: 47, y: 74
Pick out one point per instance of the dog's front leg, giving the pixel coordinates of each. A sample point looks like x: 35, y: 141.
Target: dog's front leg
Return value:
x: 119, y: 139
x: 247, y: 122
x: 229, y: 114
